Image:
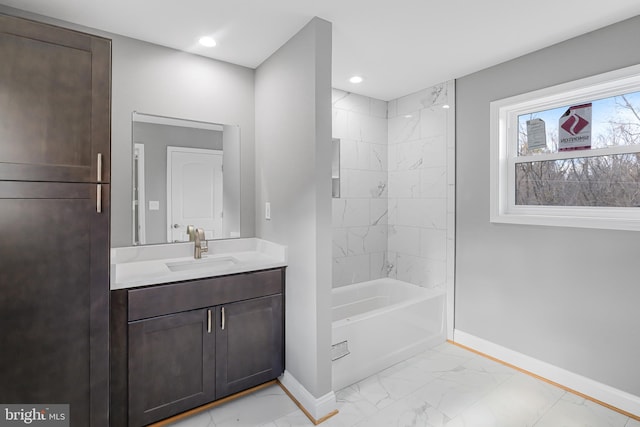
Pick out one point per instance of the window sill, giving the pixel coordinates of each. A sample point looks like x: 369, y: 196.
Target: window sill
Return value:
x: 608, y: 219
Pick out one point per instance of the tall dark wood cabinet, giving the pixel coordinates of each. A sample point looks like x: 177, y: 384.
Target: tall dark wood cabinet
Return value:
x: 54, y: 218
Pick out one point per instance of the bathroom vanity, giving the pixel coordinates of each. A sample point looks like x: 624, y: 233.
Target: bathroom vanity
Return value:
x: 187, y: 332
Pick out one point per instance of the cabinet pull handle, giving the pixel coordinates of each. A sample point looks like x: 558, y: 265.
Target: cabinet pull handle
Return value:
x: 209, y: 321
x: 99, y: 198
x: 99, y: 177
x: 223, y: 318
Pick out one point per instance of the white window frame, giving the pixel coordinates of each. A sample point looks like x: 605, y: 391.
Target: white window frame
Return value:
x: 504, y: 153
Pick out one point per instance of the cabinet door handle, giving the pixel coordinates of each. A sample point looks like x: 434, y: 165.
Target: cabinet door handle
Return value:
x: 99, y: 198
x: 99, y: 177
x: 209, y: 321
x: 223, y: 318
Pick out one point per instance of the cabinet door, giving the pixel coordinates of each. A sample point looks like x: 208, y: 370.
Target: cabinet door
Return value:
x: 54, y: 103
x: 249, y: 344
x: 54, y: 298
x: 171, y: 365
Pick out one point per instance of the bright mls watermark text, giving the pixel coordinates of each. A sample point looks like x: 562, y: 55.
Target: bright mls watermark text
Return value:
x: 41, y: 415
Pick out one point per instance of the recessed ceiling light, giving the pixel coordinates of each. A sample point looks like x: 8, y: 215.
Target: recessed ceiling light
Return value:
x: 446, y: 106
x: 207, y: 41
x: 356, y: 79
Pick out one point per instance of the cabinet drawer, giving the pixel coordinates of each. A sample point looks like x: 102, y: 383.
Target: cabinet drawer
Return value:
x: 182, y: 296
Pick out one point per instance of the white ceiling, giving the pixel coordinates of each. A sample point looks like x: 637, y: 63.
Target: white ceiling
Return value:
x: 399, y: 46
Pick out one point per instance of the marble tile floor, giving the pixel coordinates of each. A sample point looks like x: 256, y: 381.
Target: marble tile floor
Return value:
x: 446, y: 386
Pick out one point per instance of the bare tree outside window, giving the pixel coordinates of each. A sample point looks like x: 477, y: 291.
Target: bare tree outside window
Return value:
x: 611, y: 180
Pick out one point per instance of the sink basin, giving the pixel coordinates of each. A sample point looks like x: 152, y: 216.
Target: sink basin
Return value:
x: 201, y: 264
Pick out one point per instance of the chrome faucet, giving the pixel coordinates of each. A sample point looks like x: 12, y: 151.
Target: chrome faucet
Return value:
x: 200, y: 243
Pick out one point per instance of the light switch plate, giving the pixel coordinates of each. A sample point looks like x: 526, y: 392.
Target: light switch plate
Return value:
x: 154, y: 205
x: 267, y: 210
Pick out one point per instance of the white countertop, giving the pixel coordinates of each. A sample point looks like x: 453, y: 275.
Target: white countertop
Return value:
x: 148, y: 265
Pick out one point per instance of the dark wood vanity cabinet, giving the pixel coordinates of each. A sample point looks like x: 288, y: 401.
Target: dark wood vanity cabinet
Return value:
x: 249, y: 348
x: 54, y: 244
x: 181, y: 345
x: 171, y: 365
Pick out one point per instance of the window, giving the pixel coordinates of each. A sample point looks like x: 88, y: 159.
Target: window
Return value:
x: 569, y: 155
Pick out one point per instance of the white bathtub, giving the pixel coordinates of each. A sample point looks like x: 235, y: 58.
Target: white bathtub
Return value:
x: 382, y: 322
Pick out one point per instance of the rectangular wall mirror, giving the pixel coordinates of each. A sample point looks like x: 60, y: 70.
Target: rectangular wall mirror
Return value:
x: 185, y: 172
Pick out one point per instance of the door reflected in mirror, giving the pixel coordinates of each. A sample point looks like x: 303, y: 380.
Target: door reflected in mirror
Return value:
x: 185, y: 172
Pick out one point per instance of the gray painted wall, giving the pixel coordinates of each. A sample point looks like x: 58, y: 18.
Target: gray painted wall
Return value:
x: 157, y: 80
x: 293, y: 173
x: 566, y: 296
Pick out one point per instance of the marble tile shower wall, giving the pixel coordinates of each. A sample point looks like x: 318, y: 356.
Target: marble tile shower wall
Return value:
x: 395, y: 216
x: 421, y: 187
x: 360, y: 226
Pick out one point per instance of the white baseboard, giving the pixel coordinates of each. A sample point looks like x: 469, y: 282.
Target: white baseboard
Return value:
x: 318, y: 408
x: 606, y: 394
